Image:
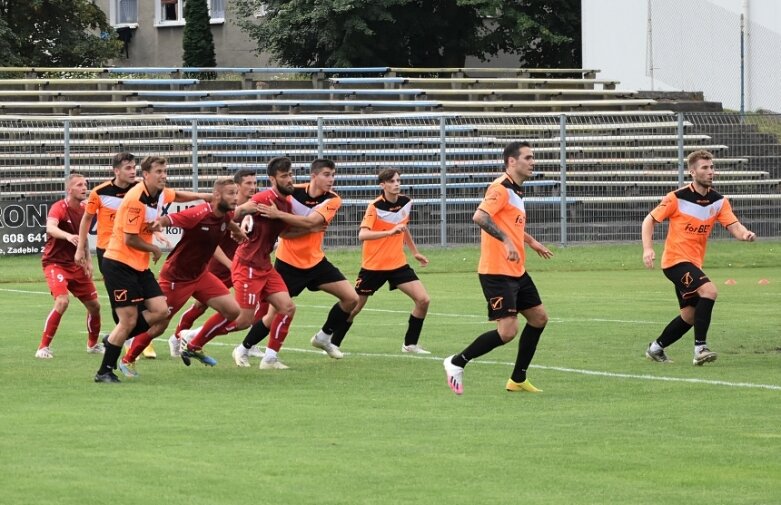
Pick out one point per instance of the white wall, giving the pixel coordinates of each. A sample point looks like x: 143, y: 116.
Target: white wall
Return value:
x: 696, y: 47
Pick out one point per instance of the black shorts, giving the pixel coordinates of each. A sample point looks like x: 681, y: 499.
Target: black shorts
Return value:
x: 127, y: 286
x: 369, y: 281
x: 506, y: 295
x: 687, y: 278
x: 99, y: 253
x: 296, y: 279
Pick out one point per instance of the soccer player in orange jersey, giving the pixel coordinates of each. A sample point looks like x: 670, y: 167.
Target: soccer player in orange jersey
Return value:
x: 507, y: 287
x: 63, y: 274
x: 300, y: 259
x: 384, y: 233
x: 129, y: 281
x: 692, y: 212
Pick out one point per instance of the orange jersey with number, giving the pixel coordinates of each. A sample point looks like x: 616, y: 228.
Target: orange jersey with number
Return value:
x: 306, y: 251
x: 103, y: 202
x: 503, y: 201
x: 691, y: 216
x: 135, y: 215
x: 381, y: 215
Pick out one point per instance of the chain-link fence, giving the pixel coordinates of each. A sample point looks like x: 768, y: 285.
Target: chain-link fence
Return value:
x: 597, y: 174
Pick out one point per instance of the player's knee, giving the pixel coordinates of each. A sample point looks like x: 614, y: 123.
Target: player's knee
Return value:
x: 349, y: 303
x: 231, y: 312
x: 287, y: 309
x: 708, y: 291
x: 423, y: 302
x: 539, y: 320
x: 61, y: 303
x: 507, y: 334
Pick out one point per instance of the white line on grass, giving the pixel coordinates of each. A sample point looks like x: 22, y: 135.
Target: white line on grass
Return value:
x: 489, y: 362
x: 553, y: 368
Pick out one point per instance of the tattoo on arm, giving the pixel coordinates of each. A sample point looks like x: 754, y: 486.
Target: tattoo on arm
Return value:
x: 487, y: 224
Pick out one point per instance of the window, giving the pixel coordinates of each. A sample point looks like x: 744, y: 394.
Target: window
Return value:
x: 123, y: 12
x: 171, y: 12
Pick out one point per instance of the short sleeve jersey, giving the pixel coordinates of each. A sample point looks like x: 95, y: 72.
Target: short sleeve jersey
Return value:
x: 503, y: 201
x: 135, y: 215
x: 57, y: 251
x: 256, y: 252
x: 691, y: 216
x: 103, y: 202
x: 228, y: 246
x: 203, y: 231
x: 306, y: 251
x: 381, y: 215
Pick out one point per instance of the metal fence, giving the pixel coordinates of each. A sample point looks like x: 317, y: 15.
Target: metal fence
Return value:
x: 597, y: 174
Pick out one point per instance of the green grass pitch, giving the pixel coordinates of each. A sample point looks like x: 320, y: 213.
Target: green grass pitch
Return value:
x: 379, y: 427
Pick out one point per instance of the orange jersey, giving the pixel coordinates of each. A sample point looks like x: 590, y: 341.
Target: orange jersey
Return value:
x: 135, y: 215
x: 306, y: 251
x: 503, y: 201
x: 103, y: 202
x: 691, y: 218
x: 381, y: 215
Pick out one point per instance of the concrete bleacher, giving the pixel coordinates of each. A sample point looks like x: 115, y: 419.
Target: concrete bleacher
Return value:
x: 613, y: 156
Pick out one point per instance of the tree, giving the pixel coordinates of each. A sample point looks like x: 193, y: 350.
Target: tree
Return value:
x: 198, y: 43
x: 433, y: 33
x: 67, y: 33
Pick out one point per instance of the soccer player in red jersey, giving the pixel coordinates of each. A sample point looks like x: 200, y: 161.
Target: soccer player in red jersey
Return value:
x: 254, y: 278
x: 62, y: 272
x: 185, y: 273
x: 692, y: 211
x: 220, y: 265
x: 507, y: 286
x: 300, y: 259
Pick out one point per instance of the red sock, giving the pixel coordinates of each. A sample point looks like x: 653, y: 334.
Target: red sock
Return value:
x: 189, y: 317
x: 140, y: 342
x: 93, y: 329
x: 280, y: 326
x: 50, y: 328
x: 215, y: 326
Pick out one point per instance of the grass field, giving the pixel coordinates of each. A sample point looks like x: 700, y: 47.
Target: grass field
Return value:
x: 382, y: 427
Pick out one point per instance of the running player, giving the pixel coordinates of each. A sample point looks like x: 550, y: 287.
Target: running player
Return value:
x: 63, y: 274
x: 129, y: 280
x: 692, y: 211
x: 219, y: 265
x: 185, y: 273
x: 254, y: 278
x: 384, y: 233
x: 300, y: 259
x: 507, y: 286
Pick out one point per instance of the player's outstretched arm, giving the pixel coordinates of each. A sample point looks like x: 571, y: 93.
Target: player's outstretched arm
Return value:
x: 537, y: 247
x: 190, y: 196
x: 367, y: 234
x: 647, y: 233
x: 740, y: 232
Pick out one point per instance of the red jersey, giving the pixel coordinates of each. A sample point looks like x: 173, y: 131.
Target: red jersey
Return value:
x: 256, y: 252
x: 57, y: 251
x: 228, y: 246
x: 203, y: 231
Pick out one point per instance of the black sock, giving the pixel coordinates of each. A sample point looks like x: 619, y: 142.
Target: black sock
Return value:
x: 527, y: 345
x: 340, y: 332
x: 702, y: 313
x: 110, y: 357
x: 258, y: 332
x: 673, y: 332
x: 336, y: 318
x: 414, y: 326
x: 483, y: 344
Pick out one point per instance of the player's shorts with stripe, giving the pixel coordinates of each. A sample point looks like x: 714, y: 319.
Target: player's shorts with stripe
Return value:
x: 252, y: 286
x: 127, y: 286
x: 203, y: 289
x: 73, y: 278
x: 506, y: 295
x: 370, y: 281
x: 687, y: 278
x: 298, y: 279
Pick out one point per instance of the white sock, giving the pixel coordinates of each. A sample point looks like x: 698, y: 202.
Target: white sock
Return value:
x: 699, y: 348
x: 655, y: 347
x: 270, y: 355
